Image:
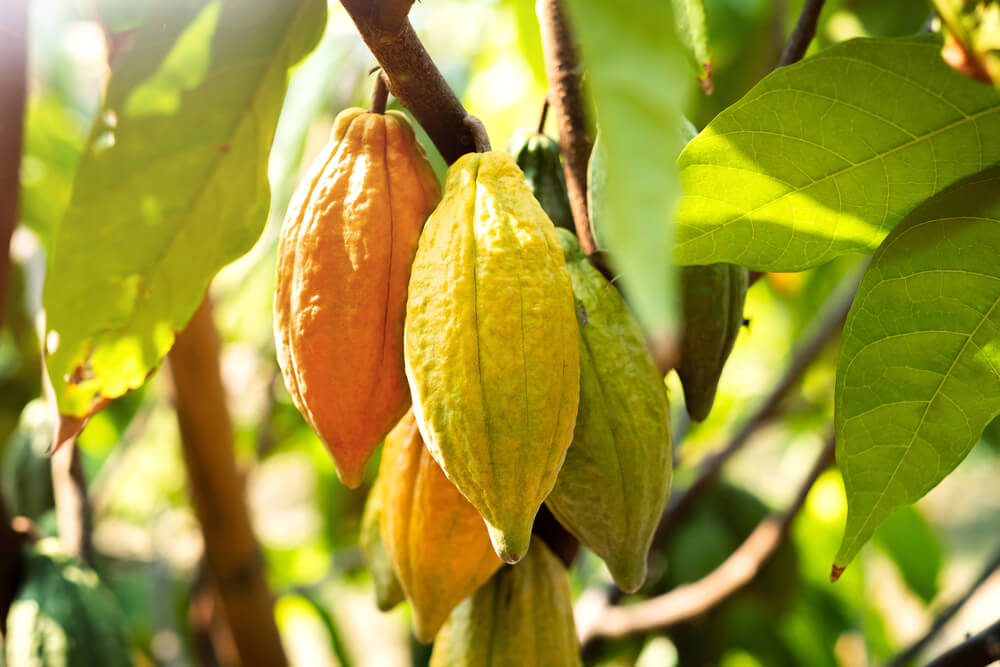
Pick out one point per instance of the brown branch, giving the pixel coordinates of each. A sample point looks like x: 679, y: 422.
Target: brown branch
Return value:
x: 235, y: 564
x: 802, y: 34
x: 824, y: 327
x: 13, y: 91
x: 72, y: 504
x: 563, y: 73
x: 982, y: 649
x: 413, y: 78
x: 689, y: 601
x: 910, y: 653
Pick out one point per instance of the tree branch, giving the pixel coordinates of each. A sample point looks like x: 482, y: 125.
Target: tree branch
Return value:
x: 911, y: 652
x: 72, y: 504
x: 739, y: 569
x: 981, y: 649
x: 412, y: 76
x: 802, y: 35
x: 563, y: 73
x: 234, y: 560
x: 13, y: 91
x: 824, y: 327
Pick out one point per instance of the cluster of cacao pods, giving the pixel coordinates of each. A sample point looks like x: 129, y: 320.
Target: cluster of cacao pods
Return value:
x: 501, y: 369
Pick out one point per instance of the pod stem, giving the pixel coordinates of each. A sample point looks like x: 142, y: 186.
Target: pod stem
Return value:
x: 380, y: 93
x: 543, y: 116
x: 479, y: 134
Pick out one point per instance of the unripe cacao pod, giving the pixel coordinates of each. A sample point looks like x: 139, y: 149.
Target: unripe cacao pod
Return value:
x: 523, y: 616
x: 436, y: 541
x: 712, y: 300
x: 539, y: 157
x: 27, y: 471
x: 491, y: 345
x: 615, y: 482
x: 388, y: 592
x: 344, y: 259
x: 63, y: 616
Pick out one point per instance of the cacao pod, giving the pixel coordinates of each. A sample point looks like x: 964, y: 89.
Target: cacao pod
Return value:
x: 491, y: 345
x: 344, y: 259
x: 63, y: 616
x: 712, y: 300
x: 615, y: 482
x: 27, y: 471
x: 523, y: 616
x: 539, y: 157
x: 388, y: 592
x: 436, y: 541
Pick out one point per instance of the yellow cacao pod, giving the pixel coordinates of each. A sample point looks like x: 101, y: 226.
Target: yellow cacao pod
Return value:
x: 436, y: 541
x: 344, y: 259
x: 522, y: 617
x: 491, y: 345
x: 388, y: 592
x: 615, y: 481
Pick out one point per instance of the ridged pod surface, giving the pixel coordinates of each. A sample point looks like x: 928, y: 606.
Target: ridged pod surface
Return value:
x: 539, y: 157
x: 712, y: 298
x: 388, y: 591
x: 615, y: 482
x: 436, y: 541
x: 491, y: 345
x: 523, y: 616
x: 344, y: 259
x: 63, y: 616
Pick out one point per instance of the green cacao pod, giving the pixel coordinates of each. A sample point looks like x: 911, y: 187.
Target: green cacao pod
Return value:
x: 615, y: 481
x: 490, y: 345
x: 388, y: 592
x: 540, y: 159
x: 712, y: 299
x: 523, y: 616
x: 63, y: 616
x: 27, y: 471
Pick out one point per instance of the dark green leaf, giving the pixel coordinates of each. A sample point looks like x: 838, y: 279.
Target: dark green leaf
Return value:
x: 172, y: 186
x: 914, y: 548
x: 917, y: 378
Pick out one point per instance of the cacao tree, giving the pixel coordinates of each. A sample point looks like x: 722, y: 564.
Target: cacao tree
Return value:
x: 703, y: 369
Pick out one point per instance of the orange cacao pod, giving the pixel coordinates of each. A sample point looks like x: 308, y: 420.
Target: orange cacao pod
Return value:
x: 436, y: 540
x: 344, y: 259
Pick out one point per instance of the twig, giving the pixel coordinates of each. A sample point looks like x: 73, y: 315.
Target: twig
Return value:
x: 564, y: 96
x: 823, y: 328
x: 72, y: 504
x: 235, y: 564
x: 739, y: 569
x: 413, y: 78
x: 802, y: 35
x: 380, y: 93
x: 981, y: 649
x: 13, y: 55
x: 913, y: 650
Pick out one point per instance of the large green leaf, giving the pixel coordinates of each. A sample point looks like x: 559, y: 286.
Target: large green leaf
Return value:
x: 824, y: 157
x: 172, y: 186
x: 918, y: 377
x: 636, y: 74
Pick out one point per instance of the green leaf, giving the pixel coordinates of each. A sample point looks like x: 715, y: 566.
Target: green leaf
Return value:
x: 824, y: 157
x: 914, y: 548
x: 172, y: 186
x: 622, y: 46
x: 692, y: 28
x: 918, y: 377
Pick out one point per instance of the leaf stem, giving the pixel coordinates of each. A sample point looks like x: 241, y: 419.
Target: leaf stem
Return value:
x: 72, y: 504
x: 803, y: 33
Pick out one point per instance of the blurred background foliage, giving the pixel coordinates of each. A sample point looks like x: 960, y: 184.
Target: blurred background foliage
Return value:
x: 146, y: 536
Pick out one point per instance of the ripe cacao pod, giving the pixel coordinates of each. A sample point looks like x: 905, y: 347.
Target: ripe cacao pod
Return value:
x: 436, y: 541
x: 615, y: 482
x: 539, y: 157
x: 712, y: 300
x: 388, y: 592
x: 27, y: 471
x: 344, y: 259
x: 491, y: 345
x: 63, y: 616
x: 523, y: 616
